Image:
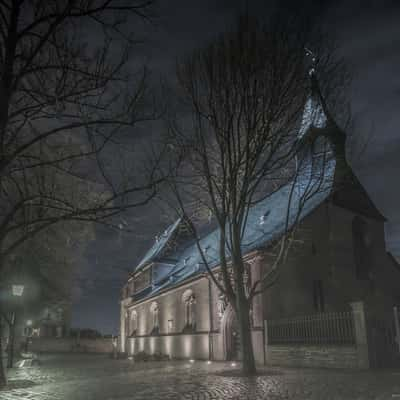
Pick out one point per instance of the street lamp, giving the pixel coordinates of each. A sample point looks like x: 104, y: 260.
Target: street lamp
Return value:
x: 17, y: 289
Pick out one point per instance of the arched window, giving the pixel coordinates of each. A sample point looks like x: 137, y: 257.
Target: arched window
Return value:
x: 133, y: 323
x: 154, y: 310
x: 362, y: 247
x: 126, y: 323
x: 189, y: 303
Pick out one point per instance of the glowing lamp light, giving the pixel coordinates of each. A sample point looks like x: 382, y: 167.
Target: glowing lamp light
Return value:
x: 29, y: 322
x: 191, y: 361
x: 233, y: 364
x: 208, y: 362
x: 18, y: 290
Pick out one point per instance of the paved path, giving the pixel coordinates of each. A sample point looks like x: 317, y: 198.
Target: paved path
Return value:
x: 78, y: 377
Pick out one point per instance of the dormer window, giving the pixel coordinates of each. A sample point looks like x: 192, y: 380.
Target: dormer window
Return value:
x: 205, y: 250
x: 264, y: 217
x: 142, y: 280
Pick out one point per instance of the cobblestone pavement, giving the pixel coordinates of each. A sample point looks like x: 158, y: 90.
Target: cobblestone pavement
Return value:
x: 77, y: 377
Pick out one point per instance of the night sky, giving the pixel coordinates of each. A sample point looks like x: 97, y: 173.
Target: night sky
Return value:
x: 368, y: 35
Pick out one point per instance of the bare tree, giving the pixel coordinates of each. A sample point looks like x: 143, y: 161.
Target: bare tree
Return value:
x: 239, y: 139
x: 67, y: 91
x: 46, y: 264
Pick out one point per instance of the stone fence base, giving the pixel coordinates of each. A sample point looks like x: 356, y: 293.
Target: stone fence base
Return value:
x: 312, y: 356
x: 70, y: 345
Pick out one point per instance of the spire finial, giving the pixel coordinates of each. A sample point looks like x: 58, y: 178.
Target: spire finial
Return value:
x: 313, y: 61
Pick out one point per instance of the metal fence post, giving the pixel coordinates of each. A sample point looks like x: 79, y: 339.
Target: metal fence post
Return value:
x: 265, y: 342
x: 397, y: 326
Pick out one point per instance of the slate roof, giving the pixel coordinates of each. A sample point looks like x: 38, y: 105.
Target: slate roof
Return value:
x: 159, y: 245
x: 267, y: 220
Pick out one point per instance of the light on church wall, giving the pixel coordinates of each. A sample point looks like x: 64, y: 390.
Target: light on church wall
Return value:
x: 187, y: 345
x: 168, y: 345
x: 141, y: 344
x: 152, y: 345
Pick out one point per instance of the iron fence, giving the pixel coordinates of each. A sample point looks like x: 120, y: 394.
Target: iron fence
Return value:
x: 383, y: 339
x: 321, y: 328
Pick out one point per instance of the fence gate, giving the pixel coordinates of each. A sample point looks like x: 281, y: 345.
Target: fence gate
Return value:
x: 384, y: 339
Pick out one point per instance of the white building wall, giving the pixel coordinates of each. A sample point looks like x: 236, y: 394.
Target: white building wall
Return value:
x: 204, y: 343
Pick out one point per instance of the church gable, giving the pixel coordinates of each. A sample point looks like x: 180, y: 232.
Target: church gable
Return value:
x: 162, y: 244
x: 350, y: 194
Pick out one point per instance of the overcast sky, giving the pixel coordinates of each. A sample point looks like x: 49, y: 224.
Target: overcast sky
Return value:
x: 368, y: 33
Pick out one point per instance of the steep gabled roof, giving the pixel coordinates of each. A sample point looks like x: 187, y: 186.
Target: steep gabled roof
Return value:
x: 316, y: 180
x: 159, y: 246
x: 267, y: 220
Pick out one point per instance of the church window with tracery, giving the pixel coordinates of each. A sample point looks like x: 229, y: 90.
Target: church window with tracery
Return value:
x: 189, y: 303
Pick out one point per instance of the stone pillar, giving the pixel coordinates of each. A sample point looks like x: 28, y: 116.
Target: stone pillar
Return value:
x: 360, y: 332
x: 122, y: 342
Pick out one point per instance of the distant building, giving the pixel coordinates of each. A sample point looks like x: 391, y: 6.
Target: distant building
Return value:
x: 339, y: 271
x: 50, y: 321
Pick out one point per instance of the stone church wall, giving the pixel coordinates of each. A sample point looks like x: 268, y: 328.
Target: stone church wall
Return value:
x: 171, y: 310
x: 324, y: 251
x: 171, y: 338
x: 179, y: 346
x: 204, y: 342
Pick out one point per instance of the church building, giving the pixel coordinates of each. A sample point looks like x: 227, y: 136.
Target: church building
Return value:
x: 336, y: 281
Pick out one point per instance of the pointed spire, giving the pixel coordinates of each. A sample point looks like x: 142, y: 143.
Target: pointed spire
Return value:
x: 347, y: 190
x: 319, y: 120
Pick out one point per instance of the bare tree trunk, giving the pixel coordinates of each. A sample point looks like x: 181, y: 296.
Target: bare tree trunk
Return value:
x: 11, y: 341
x: 3, y: 377
x: 246, y: 343
x: 243, y: 312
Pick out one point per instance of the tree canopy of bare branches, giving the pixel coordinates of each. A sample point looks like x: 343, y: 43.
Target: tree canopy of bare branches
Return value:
x: 66, y: 92
x: 69, y: 85
x: 243, y: 97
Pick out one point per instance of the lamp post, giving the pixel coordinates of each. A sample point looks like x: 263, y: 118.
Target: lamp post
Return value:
x: 17, y: 290
x: 29, y: 324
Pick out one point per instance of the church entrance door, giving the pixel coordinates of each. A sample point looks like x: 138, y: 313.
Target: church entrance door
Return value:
x: 231, y: 336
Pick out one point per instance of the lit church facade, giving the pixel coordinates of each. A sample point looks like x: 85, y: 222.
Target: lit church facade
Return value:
x: 186, y: 319
x: 170, y: 304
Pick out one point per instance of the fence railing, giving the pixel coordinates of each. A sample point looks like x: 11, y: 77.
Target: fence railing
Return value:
x: 321, y: 328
